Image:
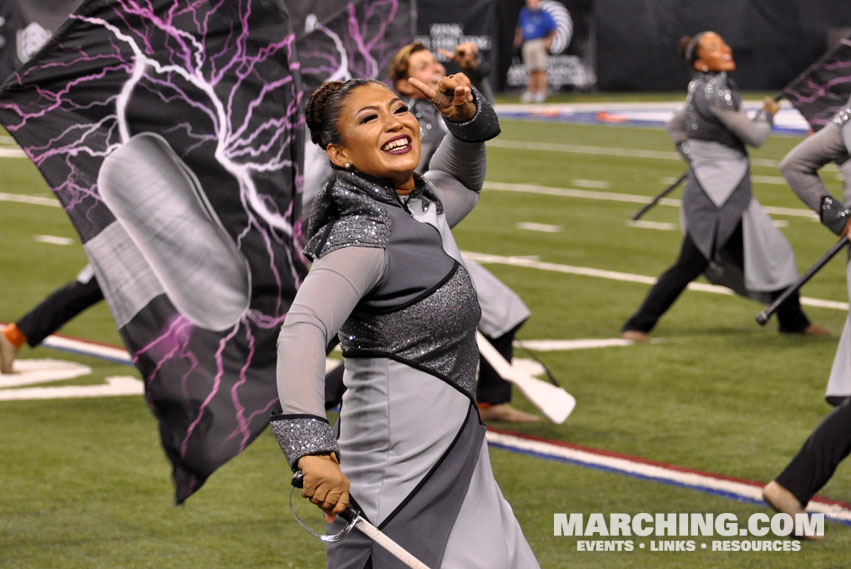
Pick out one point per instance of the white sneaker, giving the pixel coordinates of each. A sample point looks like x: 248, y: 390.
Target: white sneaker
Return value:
x: 540, y: 97
x: 8, y: 353
x: 527, y: 97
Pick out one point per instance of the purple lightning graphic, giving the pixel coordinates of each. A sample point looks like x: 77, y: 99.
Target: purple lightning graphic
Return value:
x: 824, y: 87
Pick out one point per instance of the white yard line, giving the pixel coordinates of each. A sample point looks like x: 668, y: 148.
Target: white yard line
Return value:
x: 542, y: 227
x: 485, y: 258
x: 615, y: 151
x: 717, y: 484
x: 32, y: 200
x: 618, y: 197
x: 53, y: 240
x: 12, y: 153
x: 603, y: 185
x: 660, y: 225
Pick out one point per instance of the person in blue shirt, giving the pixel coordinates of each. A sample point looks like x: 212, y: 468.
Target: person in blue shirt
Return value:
x: 536, y: 30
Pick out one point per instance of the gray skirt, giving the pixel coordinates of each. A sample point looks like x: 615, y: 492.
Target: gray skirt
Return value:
x: 414, y: 450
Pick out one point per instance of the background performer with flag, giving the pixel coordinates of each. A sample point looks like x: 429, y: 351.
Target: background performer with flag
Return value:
x: 727, y: 233
x: 388, y: 275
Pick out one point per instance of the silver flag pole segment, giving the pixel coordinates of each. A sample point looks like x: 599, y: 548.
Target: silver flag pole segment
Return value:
x: 355, y: 520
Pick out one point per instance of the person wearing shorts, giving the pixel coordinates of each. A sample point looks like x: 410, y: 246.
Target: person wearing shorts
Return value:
x: 536, y: 30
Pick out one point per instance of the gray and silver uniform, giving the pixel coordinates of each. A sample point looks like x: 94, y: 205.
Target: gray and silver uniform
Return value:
x: 718, y: 194
x: 800, y: 168
x: 502, y: 308
x: 388, y: 276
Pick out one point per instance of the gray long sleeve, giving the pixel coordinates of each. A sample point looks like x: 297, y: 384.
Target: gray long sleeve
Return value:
x: 458, y: 166
x: 751, y: 132
x: 800, y: 168
x: 457, y: 171
x: 326, y: 298
x: 676, y: 126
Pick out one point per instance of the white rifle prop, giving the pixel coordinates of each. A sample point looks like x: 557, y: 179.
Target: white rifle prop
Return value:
x: 553, y: 401
x: 355, y: 520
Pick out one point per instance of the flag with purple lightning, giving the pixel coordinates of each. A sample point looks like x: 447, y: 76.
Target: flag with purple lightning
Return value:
x: 171, y: 134
x: 823, y: 87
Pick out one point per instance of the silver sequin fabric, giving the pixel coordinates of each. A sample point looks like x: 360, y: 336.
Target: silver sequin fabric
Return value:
x: 482, y: 127
x: 833, y: 214
x: 842, y: 116
x: 303, y: 436
x: 347, y: 213
x: 709, y: 91
x: 436, y: 333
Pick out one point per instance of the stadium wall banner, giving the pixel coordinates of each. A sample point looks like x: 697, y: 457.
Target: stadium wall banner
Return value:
x: 172, y: 134
x: 637, y: 39
x: 572, y: 57
x: 442, y: 25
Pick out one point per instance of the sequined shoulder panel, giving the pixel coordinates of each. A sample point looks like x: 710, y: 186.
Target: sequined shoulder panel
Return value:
x: 436, y: 333
x: 708, y: 92
x: 345, y: 216
x: 715, y: 90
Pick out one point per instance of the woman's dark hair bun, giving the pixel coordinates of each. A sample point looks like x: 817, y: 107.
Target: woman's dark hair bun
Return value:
x: 317, y: 110
x: 682, y: 46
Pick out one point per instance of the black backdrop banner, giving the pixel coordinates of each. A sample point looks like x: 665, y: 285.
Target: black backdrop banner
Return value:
x: 772, y: 41
x: 441, y: 25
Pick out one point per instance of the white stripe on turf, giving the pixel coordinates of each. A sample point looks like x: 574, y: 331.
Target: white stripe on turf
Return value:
x: 32, y: 200
x: 620, y: 464
x: 617, y: 197
x: 485, y: 258
x: 616, y: 151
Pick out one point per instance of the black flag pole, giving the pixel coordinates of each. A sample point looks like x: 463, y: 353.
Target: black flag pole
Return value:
x: 637, y: 215
x: 765, y: 315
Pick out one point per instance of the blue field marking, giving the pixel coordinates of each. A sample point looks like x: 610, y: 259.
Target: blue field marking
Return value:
x: 639, y: 476
x: 787, y: 121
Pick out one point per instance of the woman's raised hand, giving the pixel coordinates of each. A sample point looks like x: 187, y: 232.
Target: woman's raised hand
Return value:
x: 453, y: 96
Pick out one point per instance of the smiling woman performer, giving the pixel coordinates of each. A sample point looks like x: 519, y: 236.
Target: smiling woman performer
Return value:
x: 387, y: 275
x: 728, y: 235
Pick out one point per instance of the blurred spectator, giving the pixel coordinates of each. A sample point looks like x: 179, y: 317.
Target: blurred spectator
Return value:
x: 535, y: 32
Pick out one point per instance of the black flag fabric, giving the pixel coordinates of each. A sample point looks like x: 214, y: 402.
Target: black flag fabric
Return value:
x: 171, y: 134
x: 823, y: 87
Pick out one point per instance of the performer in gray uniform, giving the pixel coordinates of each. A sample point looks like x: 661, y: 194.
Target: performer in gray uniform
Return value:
x: 503, y: 312
x: 728, y: 236
x: 830, y: 443
x: 388, y: 276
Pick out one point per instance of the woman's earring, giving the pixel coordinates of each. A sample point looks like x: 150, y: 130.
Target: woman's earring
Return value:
x: 347, y: 165
x: 706, y: 68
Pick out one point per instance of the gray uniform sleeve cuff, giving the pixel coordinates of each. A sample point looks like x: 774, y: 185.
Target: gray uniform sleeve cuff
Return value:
x: 303, y: 435
x: 483, y: 126
x: 833, y: 214
x: 764, y: 116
